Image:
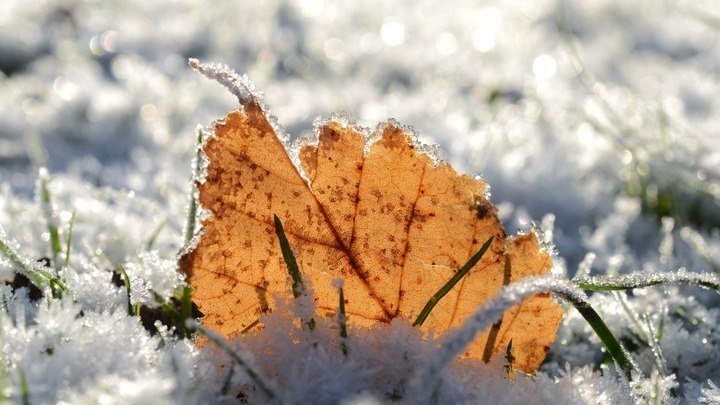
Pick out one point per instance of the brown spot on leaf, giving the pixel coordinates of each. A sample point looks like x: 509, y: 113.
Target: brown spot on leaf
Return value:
x: 368, y: 227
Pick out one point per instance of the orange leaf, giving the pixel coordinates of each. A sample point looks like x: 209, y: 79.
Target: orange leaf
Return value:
x: 376, y: 212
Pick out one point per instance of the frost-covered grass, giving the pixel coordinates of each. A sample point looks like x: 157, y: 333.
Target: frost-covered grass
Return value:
x: 595, y: 119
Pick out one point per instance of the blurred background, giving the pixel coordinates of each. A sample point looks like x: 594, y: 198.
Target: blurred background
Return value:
x: 600, y: 117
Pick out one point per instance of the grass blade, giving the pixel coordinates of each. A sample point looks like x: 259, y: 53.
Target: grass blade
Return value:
x: 612, y: 345
x: 192, y: 209
x: 186, y: 310
x: 24, y: 393
x: 126, y: 281
x: 342, y: 321
x: 456, y: 340
x: 39, y: 277
x: 222, y: 344
x: 46, y: 202
x: 68, y: 241
x: 289, y: 257
x: 642, y: 279
x: 451, y: 283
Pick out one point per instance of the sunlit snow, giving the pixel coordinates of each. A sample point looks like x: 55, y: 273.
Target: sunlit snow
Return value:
x: 594, y: 122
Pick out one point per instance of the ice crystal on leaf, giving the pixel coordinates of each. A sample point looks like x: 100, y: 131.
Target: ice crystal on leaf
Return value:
x: 378, y: 212
x: 596, y: 112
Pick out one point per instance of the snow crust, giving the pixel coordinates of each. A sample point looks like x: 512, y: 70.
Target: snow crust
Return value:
x: 596, y: 120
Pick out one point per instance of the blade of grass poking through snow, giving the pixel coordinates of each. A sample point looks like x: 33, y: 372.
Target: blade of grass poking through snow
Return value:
x: 644, y: 279
x: 24, y: 393
x: 35, y: 273
x: 192, y: 209
x: 228, y: 379
x: 341, y: 318
x: 126, y: 281
x: 68, y: 241
x: 451, y: 283
x: 289, y: 257
x: 186, y: 311
x: 257, y: 378
x: 612, y: 345
x: 49, y: 213
x: 457, y: 340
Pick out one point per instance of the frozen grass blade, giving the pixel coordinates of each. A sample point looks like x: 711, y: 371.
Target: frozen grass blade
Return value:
x: 451, y: 283
x: 298, y: 287
x: 257, y: 378
x: 699, y: 245
x: 40, y: 277
x: 640, y: 280
x: 289, y: 257
x: 186, y: 310
x: 657, y: 351
x: 126, y: 281
x: 46, y: 202
x: 457, y: 340
x: 612, y: 345
x: 226, y: 384
x: 192, y: 209
x: 24, y: 392
x: 68, y: 241
x: 185, y: 313
x: 342, y: 321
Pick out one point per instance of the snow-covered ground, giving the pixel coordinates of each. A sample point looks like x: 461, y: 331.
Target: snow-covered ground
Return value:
x: 597, y: 120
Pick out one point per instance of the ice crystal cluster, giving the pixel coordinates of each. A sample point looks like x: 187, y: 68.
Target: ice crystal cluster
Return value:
x: 595, y: 120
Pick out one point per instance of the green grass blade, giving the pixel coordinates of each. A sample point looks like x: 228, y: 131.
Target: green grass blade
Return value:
x: 49, y: 215
x: 126, y: 281
x: 186, y: 311
x: 24, y: 393
x: 289, y: 257
x: 68, y: 241
x: 451, y: 283
x: 612, y: 345
x: 342, y: 321
x: 222, y: 344
x: 193, y: 208
x: 39, y: 277
x: 641, y: 279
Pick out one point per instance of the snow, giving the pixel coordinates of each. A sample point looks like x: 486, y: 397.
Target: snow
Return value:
x: 596, y: 120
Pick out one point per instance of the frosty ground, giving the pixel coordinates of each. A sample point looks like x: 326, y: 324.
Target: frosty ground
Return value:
x: 593, y: 120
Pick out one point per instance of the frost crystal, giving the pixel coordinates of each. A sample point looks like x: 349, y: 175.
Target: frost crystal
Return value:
x: 241, y: 86
x: 611, y: 138
x: 425, y: 381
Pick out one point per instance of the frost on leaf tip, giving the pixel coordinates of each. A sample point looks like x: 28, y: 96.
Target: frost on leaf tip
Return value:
x: 375, y: 211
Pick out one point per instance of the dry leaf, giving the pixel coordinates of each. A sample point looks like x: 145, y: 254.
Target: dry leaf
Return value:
x: 376, y: 212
